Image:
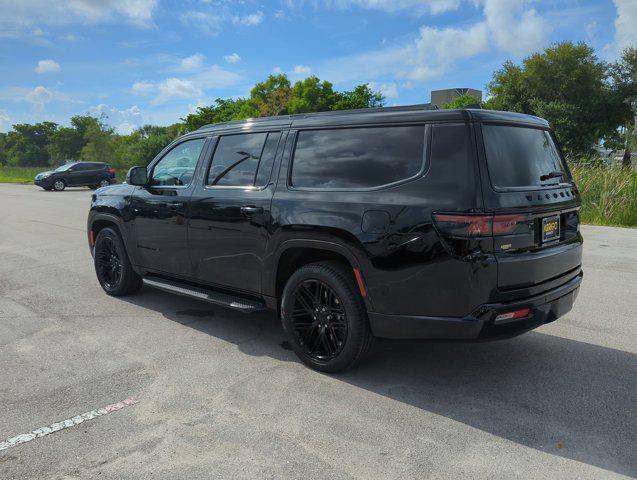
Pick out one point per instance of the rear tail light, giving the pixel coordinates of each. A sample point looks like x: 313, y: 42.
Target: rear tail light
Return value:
x: 463, y: 225
x: 509, y: 316
x: 111, y: 170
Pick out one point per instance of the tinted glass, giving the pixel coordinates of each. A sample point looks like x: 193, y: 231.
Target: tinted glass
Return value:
x: 518, y: 157
x: 177, y: 167
x: 357, y: 157
x: 235, y: 160
x: 267, y: 159
x: 450, y: 146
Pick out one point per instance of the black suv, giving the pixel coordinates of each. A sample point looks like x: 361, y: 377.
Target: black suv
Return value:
x: 76, y: 174
x: 402, y: 223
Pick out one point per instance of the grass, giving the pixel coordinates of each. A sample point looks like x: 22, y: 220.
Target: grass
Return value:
x: 609, y: 195
x: 19, y: 174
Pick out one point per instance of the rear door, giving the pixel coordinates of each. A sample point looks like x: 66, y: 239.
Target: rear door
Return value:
x: 230, y: 211
x: 527, y: 184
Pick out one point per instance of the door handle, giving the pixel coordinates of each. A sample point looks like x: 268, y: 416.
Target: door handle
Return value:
x: 251, y: 209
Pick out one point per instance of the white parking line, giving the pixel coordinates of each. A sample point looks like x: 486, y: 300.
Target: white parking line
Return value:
x: 70, y: 422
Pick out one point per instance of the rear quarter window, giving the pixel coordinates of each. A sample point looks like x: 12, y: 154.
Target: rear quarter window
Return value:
x: 355, y: 158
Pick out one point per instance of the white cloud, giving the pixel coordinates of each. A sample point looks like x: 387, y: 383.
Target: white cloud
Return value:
x: 39, y: 96
x: 175, y: 88
x: 45, y: 66
x: 125, y: 120
x: 507, y: 25
x: 436, y: 50
x: 389, y: 90
x: 300, y: 70
x: 5, y: 121
x: 417, y: 7
x: 193, y: 62
x: 249, y: 20
x: 514, y: 28
x: 24, y: 17
x: 207, y: 23
x: 143, y: 88
x: 232, y: 58
x: 277, y: 70
x: 625, y: 27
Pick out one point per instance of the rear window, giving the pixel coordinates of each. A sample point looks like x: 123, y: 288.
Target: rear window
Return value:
x: 522, y: 157
x: 357, y: 157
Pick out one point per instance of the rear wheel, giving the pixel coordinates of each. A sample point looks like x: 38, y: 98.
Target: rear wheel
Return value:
x: 103, y: 183
x: 112, y: 265
x: 59, y: 185
x: 325, y: 318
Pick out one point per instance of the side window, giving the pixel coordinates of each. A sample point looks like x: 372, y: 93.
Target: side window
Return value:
x: 267, y: 159
x: 357, y: 157
x: 177, y: 167
x: 236, y: 159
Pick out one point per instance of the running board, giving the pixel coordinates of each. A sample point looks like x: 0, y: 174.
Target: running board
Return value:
x: 223, y: 299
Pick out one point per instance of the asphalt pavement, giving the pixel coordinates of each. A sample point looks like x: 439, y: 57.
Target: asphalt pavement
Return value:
x: 210, y: 393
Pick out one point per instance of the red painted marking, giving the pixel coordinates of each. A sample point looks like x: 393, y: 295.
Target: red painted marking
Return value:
x: 92, y: 239
x: 359, y: 280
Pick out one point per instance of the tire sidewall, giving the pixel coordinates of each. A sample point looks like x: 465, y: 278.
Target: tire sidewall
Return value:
x: 55, y: 183
x: 105, y: 182
x: 119, y: 246
x: 354, y: 310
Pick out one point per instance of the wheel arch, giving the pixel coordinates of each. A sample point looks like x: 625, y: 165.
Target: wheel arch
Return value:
x: 292, y: 254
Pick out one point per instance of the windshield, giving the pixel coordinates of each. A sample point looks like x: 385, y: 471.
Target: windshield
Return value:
x: 64, y: 167
x: 522, y: 157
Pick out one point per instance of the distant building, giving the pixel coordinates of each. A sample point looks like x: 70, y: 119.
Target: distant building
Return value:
x: 440, y: 97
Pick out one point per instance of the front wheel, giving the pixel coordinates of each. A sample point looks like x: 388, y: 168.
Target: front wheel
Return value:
x: 112, y: 265
x: 59, y: 185
x: 325, y: 318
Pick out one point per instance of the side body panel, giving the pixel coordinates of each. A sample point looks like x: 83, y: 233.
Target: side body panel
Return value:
x: 405, y: 267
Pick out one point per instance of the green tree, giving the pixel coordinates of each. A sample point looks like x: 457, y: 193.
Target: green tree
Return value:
x: 27, y: 144
x: 221, y: 111
x: 3, y: 149
x: 462, y: 101
x: 272, y: 96
x: 99, y: 143
x: 567, y: 85
x: 312, y: 95
x: 361, y: 97
x: 623, y: 104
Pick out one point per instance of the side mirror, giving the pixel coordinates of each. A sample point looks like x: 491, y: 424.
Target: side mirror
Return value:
x: 137, y: 176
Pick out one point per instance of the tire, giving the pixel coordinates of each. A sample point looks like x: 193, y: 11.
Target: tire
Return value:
x: 103, y: 183
x: 334, y: 338
x: 59, y: 185
x: 112, y: 265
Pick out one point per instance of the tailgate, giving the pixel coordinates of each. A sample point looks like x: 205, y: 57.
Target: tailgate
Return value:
x: 529, y: 257
x: 526, y: 184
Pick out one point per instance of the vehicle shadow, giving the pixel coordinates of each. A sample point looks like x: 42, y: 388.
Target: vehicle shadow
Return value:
x: 567, y: 398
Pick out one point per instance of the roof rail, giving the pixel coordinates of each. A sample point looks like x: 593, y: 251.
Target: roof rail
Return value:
x: 404, y: 108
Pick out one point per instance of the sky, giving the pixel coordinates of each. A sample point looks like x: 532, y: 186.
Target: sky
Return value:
x: 155, y: 61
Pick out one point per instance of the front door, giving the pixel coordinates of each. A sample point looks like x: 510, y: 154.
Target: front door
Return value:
x: 230, y: 212
x: 159, y: 210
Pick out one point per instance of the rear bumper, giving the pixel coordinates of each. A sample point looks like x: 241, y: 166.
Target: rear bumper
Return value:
x: 544, y: 308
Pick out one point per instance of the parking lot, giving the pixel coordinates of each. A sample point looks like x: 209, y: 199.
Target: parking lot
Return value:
x: 216, y: 394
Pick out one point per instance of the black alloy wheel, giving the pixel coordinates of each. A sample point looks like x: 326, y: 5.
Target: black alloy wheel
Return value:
x: 112, y: 265
x: 108, y: 263
x: 324, y: 316
x: 319, y: 319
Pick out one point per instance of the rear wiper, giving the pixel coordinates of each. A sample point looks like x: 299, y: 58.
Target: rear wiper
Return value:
x: 550, y: 175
